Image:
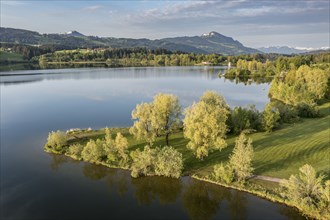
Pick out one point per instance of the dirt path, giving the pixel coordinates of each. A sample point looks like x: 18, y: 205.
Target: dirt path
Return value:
x: 267, y: 178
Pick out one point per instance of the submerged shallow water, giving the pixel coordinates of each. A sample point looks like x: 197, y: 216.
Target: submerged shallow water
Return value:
x: 37, y: 185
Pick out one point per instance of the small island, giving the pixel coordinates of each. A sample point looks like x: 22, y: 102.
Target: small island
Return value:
x: 210, y: 141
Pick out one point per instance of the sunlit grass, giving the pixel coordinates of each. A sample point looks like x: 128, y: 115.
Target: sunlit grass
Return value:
x: 277, y: 154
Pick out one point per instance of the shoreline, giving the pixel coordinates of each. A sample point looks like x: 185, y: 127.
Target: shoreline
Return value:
x: 264, y: 195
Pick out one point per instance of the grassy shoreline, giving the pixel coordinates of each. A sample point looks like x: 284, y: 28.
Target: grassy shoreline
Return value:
x: 262, y: 193
x: 278, y: 154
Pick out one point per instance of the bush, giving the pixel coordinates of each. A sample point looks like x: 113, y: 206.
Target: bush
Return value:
x: 75, y: 151
x: 223, y: 173
x: 143, y: 161
x: 288, y: 113
x: 156, y: 161
x: 56, y: 141
x: 307, y: 111
x: 308, y: 191
x: 93, y: 151
x: 169, y: 163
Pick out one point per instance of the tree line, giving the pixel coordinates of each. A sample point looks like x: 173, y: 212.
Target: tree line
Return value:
x: 259, y: 67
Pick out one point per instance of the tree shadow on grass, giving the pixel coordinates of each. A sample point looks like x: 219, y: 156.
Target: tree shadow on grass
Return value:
x: 285, y: 163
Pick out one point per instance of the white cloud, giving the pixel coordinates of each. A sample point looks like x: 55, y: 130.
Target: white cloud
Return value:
x: 92, y: 8
x: 247, y: 12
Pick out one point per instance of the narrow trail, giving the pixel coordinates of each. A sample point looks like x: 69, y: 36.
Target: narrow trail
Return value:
x: 267, y: 178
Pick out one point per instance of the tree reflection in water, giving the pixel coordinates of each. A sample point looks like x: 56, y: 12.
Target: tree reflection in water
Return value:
x: 95, y: 172
x: 117, y: 180
x: 201, y: 200
x: 58, y: 160
x: 148, y: 189
x: 237, y: 205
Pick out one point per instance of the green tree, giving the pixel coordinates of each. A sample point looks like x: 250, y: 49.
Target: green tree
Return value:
x: 165, y: 114
x: 142, y: 127
x: 121, y: 145
x: 241, y: 159
x: 205, y: 124
x: 306, y: 189
x: 93, y: 151
x: 56, y: 140
x: 143, y: 161
x: 157, y: 118
x: 271, y: 117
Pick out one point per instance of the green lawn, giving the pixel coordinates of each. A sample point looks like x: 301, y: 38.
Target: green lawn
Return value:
x: 10, y: 57
x: 277, y: 154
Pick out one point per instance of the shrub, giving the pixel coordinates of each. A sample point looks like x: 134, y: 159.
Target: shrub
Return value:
x: 156, y: 161
x: 169, y: 163
x: 307, y: 190
x: 307, y: 110
x: 75, y: 151
x: 93, y: 151
x: 143, y: 161
x: 288, y: 113
x: 223, y: 173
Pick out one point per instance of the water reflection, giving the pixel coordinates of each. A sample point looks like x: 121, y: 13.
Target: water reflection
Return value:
x: 199, y: 200
x: 58, y: 161
x: 237, y: 205
x: 94, y: 172
x: 248, y: 80
x: 151, y: 189
x: 202, y: 200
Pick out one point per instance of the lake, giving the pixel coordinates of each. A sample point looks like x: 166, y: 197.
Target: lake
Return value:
x: 38, y: 185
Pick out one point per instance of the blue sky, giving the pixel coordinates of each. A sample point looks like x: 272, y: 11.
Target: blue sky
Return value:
x: 298, y: 23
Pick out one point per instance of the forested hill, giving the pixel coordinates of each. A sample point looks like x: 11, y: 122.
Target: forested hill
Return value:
x: 214, y: 42
x: 205, y: 44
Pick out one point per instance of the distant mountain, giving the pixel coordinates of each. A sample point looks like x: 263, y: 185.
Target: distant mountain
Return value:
x: 291, y: 50
x: 281, y: 50
x: 212, y: 42
x: 74, y: 34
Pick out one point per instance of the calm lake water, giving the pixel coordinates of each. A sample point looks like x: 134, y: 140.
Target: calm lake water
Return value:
x: 37, y: 185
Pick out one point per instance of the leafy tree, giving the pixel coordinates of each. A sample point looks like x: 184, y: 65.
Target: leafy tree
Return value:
x: 157, y: 118
x: 271, y: 117
x: 143, y: 161
x: 169, y: 163
x: 307, y: 189
x: 165, y: 114
x: 205, y: 124
x: 56, y: 140
x: 241, y: 159
x: 142, y: 127
x: 75, y: 151
x: 121, y: 145
x: 93, y: 151
x: 303, y: 85
x: 244, y: 118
